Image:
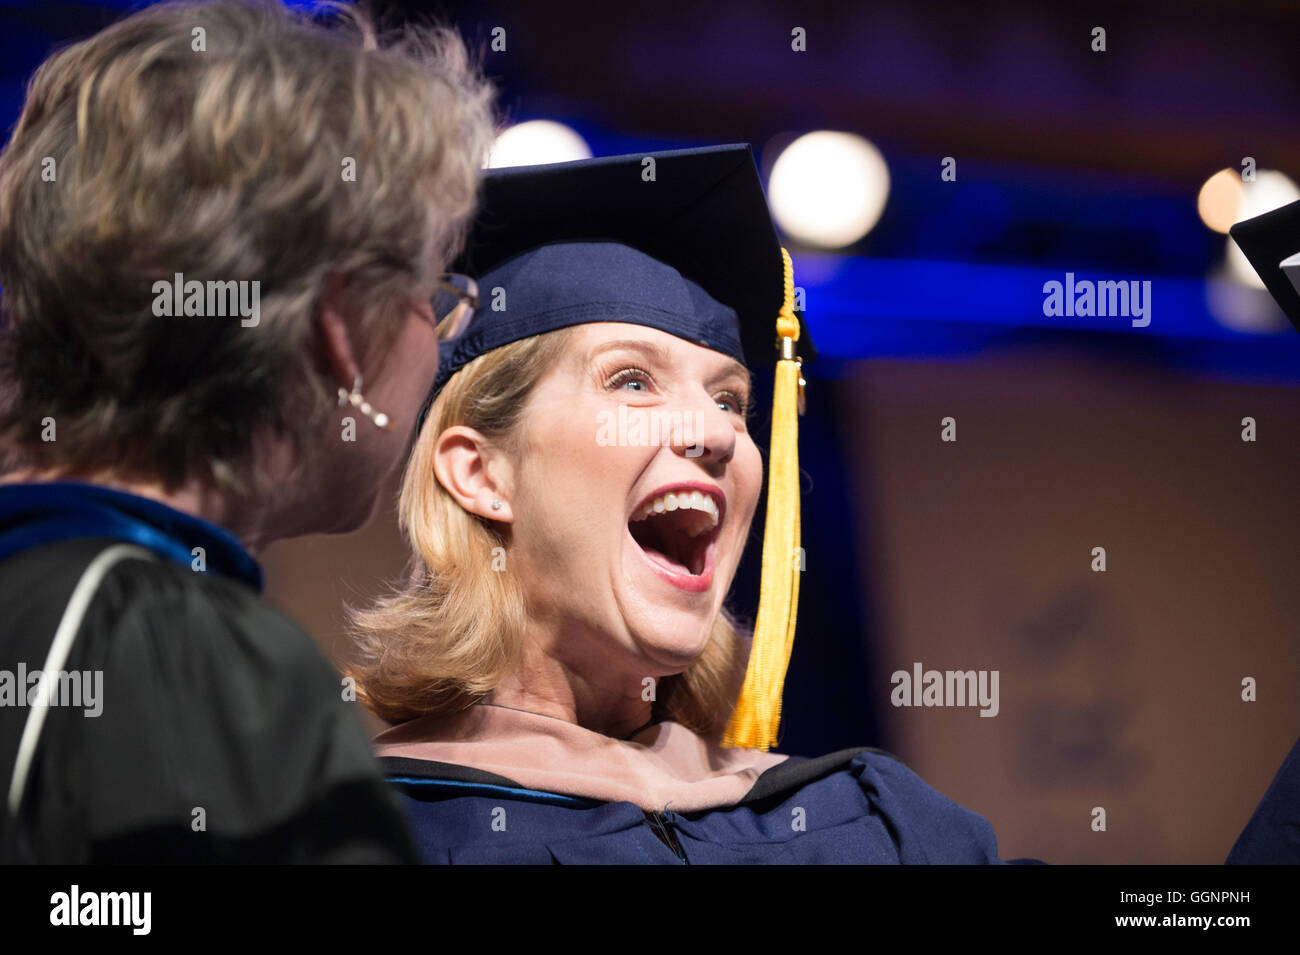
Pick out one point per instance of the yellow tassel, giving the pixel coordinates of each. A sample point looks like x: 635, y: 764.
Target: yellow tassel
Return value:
x: 757, y: 716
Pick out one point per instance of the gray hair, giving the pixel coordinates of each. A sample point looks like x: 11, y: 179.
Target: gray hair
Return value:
x: 214, y: 140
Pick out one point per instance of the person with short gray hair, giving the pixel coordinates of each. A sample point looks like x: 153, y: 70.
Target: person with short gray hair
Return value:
x: 223, y: 233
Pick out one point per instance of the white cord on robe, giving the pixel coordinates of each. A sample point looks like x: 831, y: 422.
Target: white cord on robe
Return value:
x: 64, y: 637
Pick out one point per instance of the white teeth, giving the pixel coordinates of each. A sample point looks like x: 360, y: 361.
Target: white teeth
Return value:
x: 682, y: 501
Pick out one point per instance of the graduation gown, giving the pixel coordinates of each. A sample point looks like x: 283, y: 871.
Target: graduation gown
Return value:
x: 493, y: 785
x: 222, y: 734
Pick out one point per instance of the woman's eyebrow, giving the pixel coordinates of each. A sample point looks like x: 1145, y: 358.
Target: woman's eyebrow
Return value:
x: 649, y: 350
x: 736, y: 369
x: 657, y: 354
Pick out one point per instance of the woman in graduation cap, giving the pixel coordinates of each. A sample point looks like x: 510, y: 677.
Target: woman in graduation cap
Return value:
x: 566, y: 682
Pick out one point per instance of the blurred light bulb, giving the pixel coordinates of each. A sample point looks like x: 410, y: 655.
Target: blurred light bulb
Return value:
x: 1219, y: 200
x: 535, y: 142
x: 828, y: 189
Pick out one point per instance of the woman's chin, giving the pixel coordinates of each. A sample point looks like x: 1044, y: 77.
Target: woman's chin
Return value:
x: 670, y: 623
x: 673, y: 648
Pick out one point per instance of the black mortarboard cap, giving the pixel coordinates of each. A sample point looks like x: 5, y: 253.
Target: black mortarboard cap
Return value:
x: 691, y: 251
x: 1268, y: 241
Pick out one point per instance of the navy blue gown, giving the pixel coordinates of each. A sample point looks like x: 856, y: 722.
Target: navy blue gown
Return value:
x: 853, y: 806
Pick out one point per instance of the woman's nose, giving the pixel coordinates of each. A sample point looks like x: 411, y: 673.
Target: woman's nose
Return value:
x: 708, y: 434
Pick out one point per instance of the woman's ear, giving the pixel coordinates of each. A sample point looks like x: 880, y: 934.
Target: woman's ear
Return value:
x: 473, y: 472
x: 335, y: 342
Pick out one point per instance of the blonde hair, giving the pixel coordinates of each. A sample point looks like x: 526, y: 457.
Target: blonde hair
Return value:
x: 445, y: 638
x: 227, y: 163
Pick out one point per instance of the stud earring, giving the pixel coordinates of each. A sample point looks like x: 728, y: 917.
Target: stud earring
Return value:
x: 358, y: 401
x: 496, y: 505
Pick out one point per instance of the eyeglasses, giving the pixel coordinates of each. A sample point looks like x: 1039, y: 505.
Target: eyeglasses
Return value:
x: 454, y: 302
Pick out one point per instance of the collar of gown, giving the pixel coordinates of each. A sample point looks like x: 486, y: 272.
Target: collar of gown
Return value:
x: 38, y: 513
x: 664, y: 766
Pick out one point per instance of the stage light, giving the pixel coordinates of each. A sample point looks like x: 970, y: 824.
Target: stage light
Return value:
x: 535, y: 142
x: 828, y: 189
x: 1220, y: 199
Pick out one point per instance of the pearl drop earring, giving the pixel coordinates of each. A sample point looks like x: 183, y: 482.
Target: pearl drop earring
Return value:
x: 358, y: 401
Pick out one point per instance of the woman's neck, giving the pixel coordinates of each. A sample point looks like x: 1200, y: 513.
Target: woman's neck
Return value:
x: 545, y: 686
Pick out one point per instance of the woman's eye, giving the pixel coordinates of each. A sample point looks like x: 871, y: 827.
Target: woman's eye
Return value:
x: 729, y: 401
x: 631, y: 379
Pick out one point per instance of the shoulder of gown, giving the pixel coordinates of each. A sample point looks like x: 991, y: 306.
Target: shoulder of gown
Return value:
x: 222, y: 732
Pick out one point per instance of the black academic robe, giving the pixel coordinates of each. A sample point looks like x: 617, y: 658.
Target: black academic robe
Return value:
x: 222, y: 734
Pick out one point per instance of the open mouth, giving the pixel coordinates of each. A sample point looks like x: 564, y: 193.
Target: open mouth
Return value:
x: 676, y: 530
